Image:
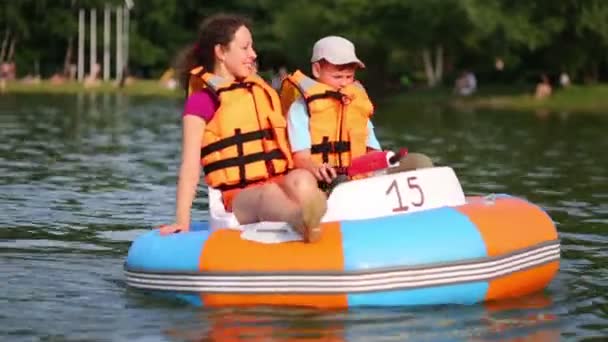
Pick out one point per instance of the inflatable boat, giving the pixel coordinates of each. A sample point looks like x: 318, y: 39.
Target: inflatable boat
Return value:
x: 409, y: 238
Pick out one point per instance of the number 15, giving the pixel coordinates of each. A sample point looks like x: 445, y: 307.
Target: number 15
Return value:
x: 412, y: 185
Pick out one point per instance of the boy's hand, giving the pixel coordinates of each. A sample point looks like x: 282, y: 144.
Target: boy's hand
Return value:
x: 325, y: 173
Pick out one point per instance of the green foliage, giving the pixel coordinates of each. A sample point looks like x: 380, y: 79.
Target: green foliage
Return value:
x: 530, y: 36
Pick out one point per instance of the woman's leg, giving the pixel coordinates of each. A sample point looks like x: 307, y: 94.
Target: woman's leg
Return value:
x: 295, y: 199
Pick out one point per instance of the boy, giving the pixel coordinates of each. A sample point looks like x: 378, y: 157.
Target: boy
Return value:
x: 328, y: 118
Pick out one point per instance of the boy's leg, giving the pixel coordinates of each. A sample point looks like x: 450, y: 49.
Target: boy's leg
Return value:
x: 412, y: 161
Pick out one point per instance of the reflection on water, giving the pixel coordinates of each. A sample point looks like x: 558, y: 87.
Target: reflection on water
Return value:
x: 84, y: 175
x: 525, y: 319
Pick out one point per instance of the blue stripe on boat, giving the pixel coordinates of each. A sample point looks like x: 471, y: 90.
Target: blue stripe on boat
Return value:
x: 448, y: 294
x: 427, y: 237
x: 172, y: 253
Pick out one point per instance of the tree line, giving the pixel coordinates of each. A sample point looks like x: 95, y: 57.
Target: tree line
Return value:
x: 430, y: 41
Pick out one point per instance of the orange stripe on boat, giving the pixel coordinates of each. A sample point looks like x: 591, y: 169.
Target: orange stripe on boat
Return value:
x: 330, y: 301
x: 521, y: 283
x: 226, y: 251
x: 509, y: 224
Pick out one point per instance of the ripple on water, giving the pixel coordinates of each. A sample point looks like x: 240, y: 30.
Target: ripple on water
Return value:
x: 50, y: 245
x: 98, y: 171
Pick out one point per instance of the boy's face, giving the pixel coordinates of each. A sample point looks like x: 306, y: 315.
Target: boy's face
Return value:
x: 336, y: 76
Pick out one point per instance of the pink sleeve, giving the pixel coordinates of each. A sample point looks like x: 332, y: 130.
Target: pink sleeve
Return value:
x: 201, y: 104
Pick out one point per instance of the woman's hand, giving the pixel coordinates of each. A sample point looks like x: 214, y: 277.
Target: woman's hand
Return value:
x: 167, y: 229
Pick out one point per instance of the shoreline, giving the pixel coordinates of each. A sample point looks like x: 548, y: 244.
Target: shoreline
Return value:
x: 576, y: 98
x: 134, y: 88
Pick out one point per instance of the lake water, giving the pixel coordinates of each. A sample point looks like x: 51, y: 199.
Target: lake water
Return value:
x: 83, y: 175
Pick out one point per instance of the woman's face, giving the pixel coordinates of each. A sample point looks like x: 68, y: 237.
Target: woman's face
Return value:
x: 239, y: 57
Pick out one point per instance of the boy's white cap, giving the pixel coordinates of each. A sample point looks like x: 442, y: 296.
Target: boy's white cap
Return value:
x: 336, y: 50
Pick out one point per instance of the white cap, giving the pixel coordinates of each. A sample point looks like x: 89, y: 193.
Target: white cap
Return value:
x: 336, y: 50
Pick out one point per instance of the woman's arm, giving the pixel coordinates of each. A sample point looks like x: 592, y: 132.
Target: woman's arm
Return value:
x: 189, y: 173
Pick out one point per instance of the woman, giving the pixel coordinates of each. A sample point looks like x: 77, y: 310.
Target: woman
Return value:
x: 234, y: 128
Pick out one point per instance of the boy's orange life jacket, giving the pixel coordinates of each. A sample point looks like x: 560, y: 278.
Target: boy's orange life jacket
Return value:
x: 338, y: 119
x: 246, y: 140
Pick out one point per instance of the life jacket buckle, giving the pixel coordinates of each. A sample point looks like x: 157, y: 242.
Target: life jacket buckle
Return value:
x: 346, y: 99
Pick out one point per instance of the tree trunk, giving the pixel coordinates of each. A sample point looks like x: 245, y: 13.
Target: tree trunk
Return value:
x: 438, y: 64
x: 11, y: 50
x: 7, y: 35
x: 428, y: 67
x: 434, y: 73
x: 68, y: 56
x: 69, y: 51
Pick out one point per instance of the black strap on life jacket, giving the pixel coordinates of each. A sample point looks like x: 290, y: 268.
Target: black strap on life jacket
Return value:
x: 241, y: 160
x: 237, y: 139
x: 328, y: 94
x: 236, y: 85
x: 326, y: 147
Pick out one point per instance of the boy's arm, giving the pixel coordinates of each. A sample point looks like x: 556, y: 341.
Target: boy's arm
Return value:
x: 302, y: 160
x: 299, y: 135
x: 372, y: 142
x: 298, y: 132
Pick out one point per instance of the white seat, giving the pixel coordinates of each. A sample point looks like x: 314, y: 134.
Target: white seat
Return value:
x: 218, y: 216
x: 382, y: 195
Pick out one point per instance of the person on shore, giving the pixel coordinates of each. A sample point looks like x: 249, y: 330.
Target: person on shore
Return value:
x: 543, y: 88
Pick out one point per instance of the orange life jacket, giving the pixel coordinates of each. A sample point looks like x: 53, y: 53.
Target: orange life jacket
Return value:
x: 246, y: 140
x: 338, y: 119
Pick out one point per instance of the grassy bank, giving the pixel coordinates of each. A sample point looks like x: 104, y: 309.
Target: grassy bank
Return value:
x: 136, y: 88
x: 588, y: 98
x: 592, y: 98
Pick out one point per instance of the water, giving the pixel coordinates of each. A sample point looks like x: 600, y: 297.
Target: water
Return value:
x: 84, y: 175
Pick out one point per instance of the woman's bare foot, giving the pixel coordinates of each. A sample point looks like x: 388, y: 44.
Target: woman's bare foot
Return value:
x: 308, y: 224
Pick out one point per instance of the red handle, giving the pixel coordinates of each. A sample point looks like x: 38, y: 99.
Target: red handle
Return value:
x: 374, y: 161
